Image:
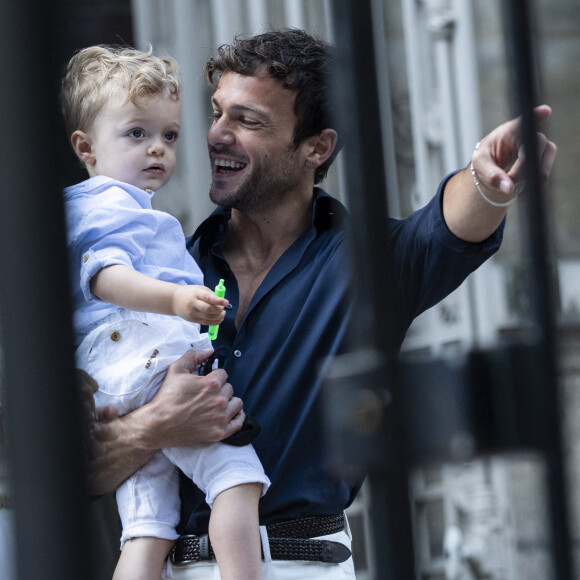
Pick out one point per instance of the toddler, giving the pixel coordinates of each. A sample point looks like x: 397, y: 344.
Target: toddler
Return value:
x: 139, y: 301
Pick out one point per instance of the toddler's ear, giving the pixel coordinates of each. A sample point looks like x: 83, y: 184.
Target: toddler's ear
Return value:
x: 83, y: 147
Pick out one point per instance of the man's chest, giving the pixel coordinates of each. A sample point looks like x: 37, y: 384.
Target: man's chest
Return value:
x: 249, y: 274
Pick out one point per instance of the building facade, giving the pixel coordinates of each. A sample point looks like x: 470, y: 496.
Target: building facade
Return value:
x: 444, y: 83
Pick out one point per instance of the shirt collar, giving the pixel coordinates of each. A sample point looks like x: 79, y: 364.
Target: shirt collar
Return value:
x: 327, y: 213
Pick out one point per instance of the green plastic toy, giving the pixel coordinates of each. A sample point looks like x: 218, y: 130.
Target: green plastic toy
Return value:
x: 220, y: 290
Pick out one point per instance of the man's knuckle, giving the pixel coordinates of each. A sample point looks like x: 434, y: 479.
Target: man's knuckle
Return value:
x: 212, y: 382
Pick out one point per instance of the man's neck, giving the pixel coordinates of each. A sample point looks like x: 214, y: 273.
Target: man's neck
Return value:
x: 267, y: 233
x: 257, y: 239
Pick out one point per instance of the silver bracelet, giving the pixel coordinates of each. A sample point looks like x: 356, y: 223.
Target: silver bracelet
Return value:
x: 517, y: 189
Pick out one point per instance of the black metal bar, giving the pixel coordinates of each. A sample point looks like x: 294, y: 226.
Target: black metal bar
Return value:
x: 496, y: 400
x: 357, y: 117
x: 358, y: 114
x: 519, y: 40
x: 44, y: 442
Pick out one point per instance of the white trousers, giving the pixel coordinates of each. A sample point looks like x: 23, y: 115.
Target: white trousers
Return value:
x: 276, y: 569
x: 128, y: 357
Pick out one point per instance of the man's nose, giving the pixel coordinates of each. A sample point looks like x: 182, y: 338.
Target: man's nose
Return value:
x: 220, y: 133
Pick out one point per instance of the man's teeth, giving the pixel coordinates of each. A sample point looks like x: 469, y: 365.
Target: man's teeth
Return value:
x: 229, y: 164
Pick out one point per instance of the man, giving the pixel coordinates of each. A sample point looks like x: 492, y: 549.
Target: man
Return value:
x: 279, y: 243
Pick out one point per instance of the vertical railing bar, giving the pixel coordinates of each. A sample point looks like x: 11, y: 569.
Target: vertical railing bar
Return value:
x: 357, y: 115
x: 44, y: 442
x: 518, y: 33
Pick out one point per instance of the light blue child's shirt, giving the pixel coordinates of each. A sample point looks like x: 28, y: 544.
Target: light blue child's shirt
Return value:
x: 110, y: 222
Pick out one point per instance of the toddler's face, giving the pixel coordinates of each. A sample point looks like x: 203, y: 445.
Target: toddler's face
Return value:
x: 136, y: 145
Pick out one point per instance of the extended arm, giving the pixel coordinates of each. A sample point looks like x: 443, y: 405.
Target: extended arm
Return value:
x: 132, y: 290
x: 498, y: 166
x: 187, y: 411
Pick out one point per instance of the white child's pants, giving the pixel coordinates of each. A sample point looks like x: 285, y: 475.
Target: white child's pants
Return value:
x: 128, y: 357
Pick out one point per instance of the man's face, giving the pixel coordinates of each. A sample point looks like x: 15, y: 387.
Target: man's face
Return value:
x: 254, y: 163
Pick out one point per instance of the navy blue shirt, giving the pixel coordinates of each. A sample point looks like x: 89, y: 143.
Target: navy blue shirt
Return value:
x: 298, y: 317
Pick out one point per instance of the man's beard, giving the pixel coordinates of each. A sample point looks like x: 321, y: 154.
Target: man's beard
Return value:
x: 264, y: 186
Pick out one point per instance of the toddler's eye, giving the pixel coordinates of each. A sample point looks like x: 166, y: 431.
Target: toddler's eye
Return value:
x: 137, y: 133
x: 170, y: 136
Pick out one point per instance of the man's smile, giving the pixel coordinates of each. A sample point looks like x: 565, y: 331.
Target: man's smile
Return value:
x: 228, y: 165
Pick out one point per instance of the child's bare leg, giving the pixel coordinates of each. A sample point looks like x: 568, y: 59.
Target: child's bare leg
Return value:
x: 142, y: 559
x: 234, y: 532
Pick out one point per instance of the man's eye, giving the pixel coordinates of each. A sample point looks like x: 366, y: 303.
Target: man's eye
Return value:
x: 136, y: 133
x: 249, y: 122
x: 215, y: 116
x: 170, y: 136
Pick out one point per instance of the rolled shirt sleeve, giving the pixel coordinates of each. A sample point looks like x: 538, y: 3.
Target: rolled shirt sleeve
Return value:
x: 113, y: 237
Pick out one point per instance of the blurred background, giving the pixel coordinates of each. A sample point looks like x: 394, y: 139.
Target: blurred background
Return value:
x: 444, y: 83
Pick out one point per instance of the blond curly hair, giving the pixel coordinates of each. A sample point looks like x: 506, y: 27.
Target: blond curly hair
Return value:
x: 97, y: 73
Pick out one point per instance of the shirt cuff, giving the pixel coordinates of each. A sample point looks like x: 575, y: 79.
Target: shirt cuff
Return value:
x: 93, y: 262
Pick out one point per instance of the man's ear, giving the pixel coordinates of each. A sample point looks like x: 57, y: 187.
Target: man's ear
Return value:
x: 320, y: 147
x: 83, y: 147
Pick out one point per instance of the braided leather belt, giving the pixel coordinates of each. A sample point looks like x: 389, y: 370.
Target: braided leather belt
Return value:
x: 289, y: 540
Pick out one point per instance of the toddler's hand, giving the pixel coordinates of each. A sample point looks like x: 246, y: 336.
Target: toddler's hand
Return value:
x: 199, y: 304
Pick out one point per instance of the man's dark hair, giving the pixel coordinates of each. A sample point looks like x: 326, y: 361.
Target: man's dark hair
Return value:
x: 300, y: 62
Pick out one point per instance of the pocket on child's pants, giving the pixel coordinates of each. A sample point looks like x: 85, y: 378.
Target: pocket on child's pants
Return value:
x: 122, y: 356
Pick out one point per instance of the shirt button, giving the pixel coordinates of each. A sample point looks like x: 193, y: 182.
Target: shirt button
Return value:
x: 115, y: 336
x: 85, y: 257
x: 237, y: 353
x: 229, y: 307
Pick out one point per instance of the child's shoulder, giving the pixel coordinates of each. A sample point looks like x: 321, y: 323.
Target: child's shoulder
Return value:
x: 91, y: 186
x: 100, y: 184
x: 103, y: 191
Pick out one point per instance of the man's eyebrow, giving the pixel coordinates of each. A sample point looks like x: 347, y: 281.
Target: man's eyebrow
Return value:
x: 243, y: 109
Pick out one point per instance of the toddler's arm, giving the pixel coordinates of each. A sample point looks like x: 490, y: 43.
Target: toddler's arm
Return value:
x: 132, y: 290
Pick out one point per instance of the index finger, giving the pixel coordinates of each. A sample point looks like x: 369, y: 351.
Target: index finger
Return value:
x: 187, y: 362
x: 510, y: 131
x: 542, y: 112
x: 513, y: 137
x: 215, y: 300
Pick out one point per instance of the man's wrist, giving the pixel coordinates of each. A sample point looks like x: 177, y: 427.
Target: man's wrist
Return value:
x: 484, y: 195
x: 143, y: 424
